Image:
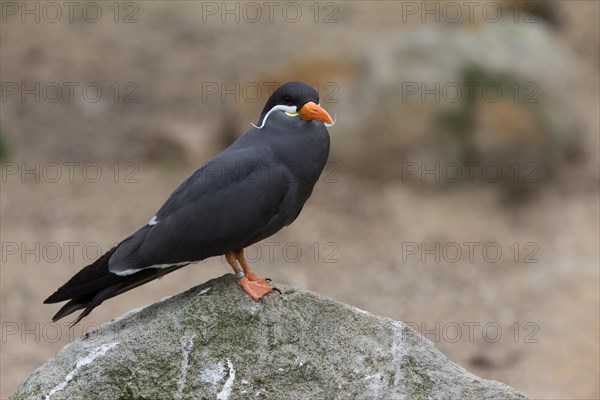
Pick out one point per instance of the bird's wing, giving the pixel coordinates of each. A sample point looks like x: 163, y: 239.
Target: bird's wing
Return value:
x: 212, y: 212
x: 208, y: 214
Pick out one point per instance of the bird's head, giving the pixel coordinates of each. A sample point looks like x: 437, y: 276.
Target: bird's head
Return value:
x: 295, y: 99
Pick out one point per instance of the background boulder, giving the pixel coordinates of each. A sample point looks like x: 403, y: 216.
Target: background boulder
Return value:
x: 499, y: 95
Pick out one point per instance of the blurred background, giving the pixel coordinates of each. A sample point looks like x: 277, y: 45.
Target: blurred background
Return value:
x: 461, y: 197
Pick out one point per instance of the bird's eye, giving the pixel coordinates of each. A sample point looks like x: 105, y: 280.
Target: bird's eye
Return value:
x: 287, y: 99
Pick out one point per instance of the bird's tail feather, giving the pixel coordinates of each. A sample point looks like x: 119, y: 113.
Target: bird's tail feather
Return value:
x: 95, y: 283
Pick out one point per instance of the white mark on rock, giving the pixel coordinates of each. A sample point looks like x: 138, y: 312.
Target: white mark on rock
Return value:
x: 363, y: 312
x: 206, y: 290
x: 398, y: 351
x: 213, y: 374
x: 100, y: 351
x: 188, y: 345
x: 226, y: 390
x: 129, y: 313
x: 374, y: 385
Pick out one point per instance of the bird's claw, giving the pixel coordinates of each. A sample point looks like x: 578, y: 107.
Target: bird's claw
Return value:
x: 256, y: 289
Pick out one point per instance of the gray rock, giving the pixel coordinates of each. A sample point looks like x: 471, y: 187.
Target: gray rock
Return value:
x: 214, y: 341
x: 495, y: 93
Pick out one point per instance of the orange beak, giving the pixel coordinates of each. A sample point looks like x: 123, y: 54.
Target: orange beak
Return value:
x: 312, y: 111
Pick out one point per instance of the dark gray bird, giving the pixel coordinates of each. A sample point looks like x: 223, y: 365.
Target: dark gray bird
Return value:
x: 244, y: 194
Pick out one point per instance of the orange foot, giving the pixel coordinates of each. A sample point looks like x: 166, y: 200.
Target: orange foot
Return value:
x: 256, y: 289
x: 252, y: 277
